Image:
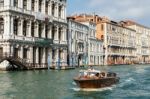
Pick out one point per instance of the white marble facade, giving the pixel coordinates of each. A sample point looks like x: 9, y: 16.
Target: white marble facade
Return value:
x: 34, y: 30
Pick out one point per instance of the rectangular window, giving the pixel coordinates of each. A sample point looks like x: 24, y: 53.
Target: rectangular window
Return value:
x: 25, y: 53
x: 1, y: 26
x: 40, y: 5
x: 1, y: 3
x: 25, y: 4
x: 15, y: 3
x: 15, y: 26
x: 32, y: 5
x: 46, y: 7
x: 25, y: 28
x: 32, y: 29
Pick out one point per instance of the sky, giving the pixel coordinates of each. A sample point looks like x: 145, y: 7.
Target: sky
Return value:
x: 136, y: 10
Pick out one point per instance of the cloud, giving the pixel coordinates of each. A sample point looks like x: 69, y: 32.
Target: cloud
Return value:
x: 137, y: 10
x: 118, y: 9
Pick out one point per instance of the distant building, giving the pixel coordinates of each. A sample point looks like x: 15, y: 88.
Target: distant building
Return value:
x: 142, y: 41
x: 78, y: 40
x: 86, y: 48
x: 118, y: 41
x: 34, y: 29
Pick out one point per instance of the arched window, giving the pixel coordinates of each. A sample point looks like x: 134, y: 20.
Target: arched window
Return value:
x: 1, y: 26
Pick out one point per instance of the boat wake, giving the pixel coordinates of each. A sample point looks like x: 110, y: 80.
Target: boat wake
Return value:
x: 127, y: 82
x: 93, y: 89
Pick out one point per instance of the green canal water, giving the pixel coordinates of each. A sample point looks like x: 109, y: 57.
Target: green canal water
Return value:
x: 134, y: 84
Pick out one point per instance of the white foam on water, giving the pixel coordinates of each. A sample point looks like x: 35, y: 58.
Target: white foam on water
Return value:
x: 93, y: 89
x: 130, y: 79
x: 74, y: 83
x: 127, y: 82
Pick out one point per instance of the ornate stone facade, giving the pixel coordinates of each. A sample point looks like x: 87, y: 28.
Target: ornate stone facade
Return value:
x: 34, y: 30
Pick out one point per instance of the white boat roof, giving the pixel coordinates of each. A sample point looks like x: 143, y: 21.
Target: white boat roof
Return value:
x: 90, y: 71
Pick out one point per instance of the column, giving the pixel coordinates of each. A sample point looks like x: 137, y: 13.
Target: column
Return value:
x: 31, y: 54
x: 37, y: 55
x: 12, y: 26
x: 21, y: 52
x: 20, y: 27
x: 44, y: 56
x: 50, y: 31
x: 29, y: 2
x: 12, y: 50
x: 64, y: 12
x: 36, y: 5
x: 56, y: 10
x: 43, y: 31
x: 50, y: 55
x: 37, y: 30
x: 20, y: 3
x: 65, y: 38
x: 43, y: 6
x: 7, y: 26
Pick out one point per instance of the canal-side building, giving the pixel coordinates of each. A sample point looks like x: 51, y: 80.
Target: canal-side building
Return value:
x: 33, y: 30
x: 77, y: 40
x: 142, y: 41
x: 118, y: 41
x: 95, y: 46
x: 92, y: 47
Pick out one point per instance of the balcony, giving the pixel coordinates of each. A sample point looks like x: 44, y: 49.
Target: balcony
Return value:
x: 23, y: 39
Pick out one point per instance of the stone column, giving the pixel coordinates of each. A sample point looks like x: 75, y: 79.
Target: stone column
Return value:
x: 29, y: 2
x: 21, y: 52
x: 50, y: 32
x: 36, y: 5
x: 31, y: 54
x: 20, y: 3
x: 37, y: 55
x: 37, y: 30
x: 12, y: 50
x: 7, y: 26
x: 43, y: 6
x: 43, y: 31
x: 56, y: 10
x: 44, y: 56
x: 20, y: 27
x: 64, y: 12
x: 57, y: 33
x: 12, y: 26
x: 50, y: 54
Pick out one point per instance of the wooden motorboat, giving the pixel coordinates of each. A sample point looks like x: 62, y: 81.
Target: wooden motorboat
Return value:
x: 95, y: 79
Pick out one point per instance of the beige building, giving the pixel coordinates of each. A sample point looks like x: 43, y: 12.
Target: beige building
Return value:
x: 34, y: 29
x: 142, y: 41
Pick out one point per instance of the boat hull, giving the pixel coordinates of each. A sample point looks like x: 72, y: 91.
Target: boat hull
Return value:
x: 96, y: 83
